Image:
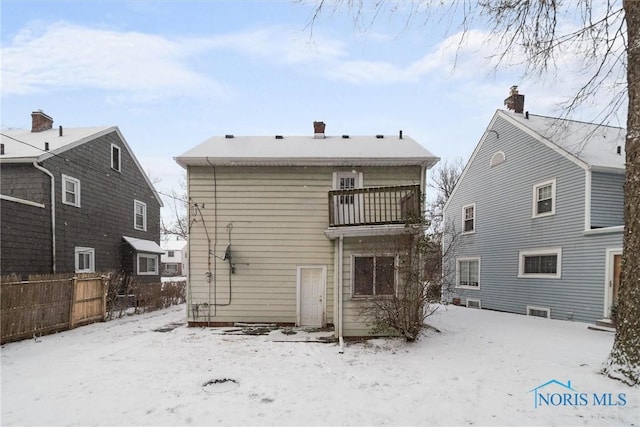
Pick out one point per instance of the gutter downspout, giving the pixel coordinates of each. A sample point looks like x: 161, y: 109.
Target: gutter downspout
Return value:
x: 340, y: 290
x: 53, y: 213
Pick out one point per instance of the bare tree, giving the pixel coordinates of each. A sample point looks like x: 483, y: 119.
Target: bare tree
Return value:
x: 443, y: 180
x: 420, y: 282
x: 607, y: 35
x: 176, y: 224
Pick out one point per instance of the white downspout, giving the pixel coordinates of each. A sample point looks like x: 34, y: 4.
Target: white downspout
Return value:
x: 340, y: 290
x: 53, y: 212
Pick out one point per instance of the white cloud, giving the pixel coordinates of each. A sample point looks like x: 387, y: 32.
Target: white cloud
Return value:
x: 67, y: 56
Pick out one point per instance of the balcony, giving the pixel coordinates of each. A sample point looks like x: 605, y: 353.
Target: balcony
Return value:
x: 374, y: 206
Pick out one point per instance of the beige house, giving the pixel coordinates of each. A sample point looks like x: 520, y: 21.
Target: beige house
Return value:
x: 289, y: 229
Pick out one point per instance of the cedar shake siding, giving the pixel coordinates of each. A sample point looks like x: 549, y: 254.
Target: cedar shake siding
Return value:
x: 104, y: 211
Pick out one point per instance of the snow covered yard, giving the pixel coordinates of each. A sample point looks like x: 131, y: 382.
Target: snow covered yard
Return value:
x: 479, y: 371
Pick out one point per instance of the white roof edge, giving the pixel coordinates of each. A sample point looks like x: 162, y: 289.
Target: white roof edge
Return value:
x: 142, y: 245
x: 289, y: 161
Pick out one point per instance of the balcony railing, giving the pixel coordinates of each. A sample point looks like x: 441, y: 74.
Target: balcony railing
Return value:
x: 374, y: 205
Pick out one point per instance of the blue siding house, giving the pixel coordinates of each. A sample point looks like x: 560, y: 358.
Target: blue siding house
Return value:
x: 538, y: 218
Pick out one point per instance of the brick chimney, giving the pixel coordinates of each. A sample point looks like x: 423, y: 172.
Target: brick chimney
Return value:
x: 515, y: 101
x: 40, y: 121
x: 318, y: 130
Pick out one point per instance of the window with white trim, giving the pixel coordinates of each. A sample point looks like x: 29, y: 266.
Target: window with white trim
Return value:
x: 70, y: 191
x: 544, y: 198
x: 115, y: 157
x: 545, y: 263
x: 469, y: 218
x: 468, y: 273
x: 139, y: 215
x: 374, y: 275
x: 85, y: 260
x: 147, y: 264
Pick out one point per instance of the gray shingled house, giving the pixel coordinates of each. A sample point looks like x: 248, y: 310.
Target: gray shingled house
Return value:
x: 75, y: 200
x: 539, y: 212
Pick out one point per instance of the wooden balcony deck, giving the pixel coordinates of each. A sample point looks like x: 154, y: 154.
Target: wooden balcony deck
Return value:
x: 374, y: 205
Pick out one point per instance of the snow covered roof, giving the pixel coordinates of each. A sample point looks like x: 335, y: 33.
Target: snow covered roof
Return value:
x: 308, y: 151
x: 173, y: 245
x: 22, y: 145
x: 142, y: 245
x: 595, y: 145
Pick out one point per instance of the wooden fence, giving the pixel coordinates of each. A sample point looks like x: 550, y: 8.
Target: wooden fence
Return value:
x: 45, y: 304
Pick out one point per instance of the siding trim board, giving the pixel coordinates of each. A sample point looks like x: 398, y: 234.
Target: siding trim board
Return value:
x: 22, y: 201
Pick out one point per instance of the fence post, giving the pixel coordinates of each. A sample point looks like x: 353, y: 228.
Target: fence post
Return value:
x: 105, y: 290
x: 72, y: 317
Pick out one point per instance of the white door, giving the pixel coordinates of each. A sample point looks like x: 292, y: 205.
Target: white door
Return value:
x: 311, y: 295
x: 614, y: 268
x: 347, y: 208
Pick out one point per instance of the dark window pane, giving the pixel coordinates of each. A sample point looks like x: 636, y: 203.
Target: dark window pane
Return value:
x: 468, y: 225
x: 541, y: 264
x: 545, y: 206
x: 385, y: 275
x: 363, y: 276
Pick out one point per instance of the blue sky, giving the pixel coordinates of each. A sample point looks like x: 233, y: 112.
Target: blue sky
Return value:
x: 171, y: 74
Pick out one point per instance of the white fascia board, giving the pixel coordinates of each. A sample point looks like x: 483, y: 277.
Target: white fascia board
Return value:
x: 261, y: 161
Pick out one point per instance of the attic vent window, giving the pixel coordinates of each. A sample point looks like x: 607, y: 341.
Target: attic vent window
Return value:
x: 497, y: 159
x: 379, y: 136
x: 228, y: 136
x: 279, y: 137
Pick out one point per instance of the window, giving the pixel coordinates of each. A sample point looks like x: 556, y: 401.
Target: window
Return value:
x: 497, y: 159
x: 115, y: 157
x: 468, y: 273
x: 171, y: 254
x: 70, y: 191
x: 85, y: 260
x: 473, y: 303
x: 539, y: 312
x: 147, y: 264
x: 544, y: 195
x: 469, y: 218
x: 374, y: 276
x: 540, y: 263
x: 140, y: 215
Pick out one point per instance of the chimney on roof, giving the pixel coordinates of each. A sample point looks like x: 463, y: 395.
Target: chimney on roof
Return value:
x: 40, y: 121
x: 515, y: 101
x: 318, y: 130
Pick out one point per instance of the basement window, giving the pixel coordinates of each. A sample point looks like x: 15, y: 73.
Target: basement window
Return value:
x: 539, y: 312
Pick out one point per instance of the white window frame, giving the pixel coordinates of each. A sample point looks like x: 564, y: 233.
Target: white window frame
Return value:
x: 464, y: 218
x: 467, y: 259
x: 473, y: 300
x: 540, y: 252
x: 545, y: 309
x: 534, y: 212
x: 150, y: 256
x: 92, y: 259
x: 137, y: 203
x: 65, y: 180
x: 353, y: 274
x: 119, y: 168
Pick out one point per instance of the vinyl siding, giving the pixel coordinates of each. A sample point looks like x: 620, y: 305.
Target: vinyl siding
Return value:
x: 274, y: 218
x: 504, y: 226
x: 607, y: 199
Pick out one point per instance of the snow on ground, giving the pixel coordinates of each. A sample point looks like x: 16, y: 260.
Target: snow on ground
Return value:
x: 479, y: 371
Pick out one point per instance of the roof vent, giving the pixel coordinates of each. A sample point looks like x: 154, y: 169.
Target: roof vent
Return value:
x: 619, y: 150
x: 400, y: 134
x: 46, y: 146
x: 379, y: 136
x: 279, y: 137
x: 345, y: 136
x: 2, y: 149
x: 229, y: 136
x: 60, y: 131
